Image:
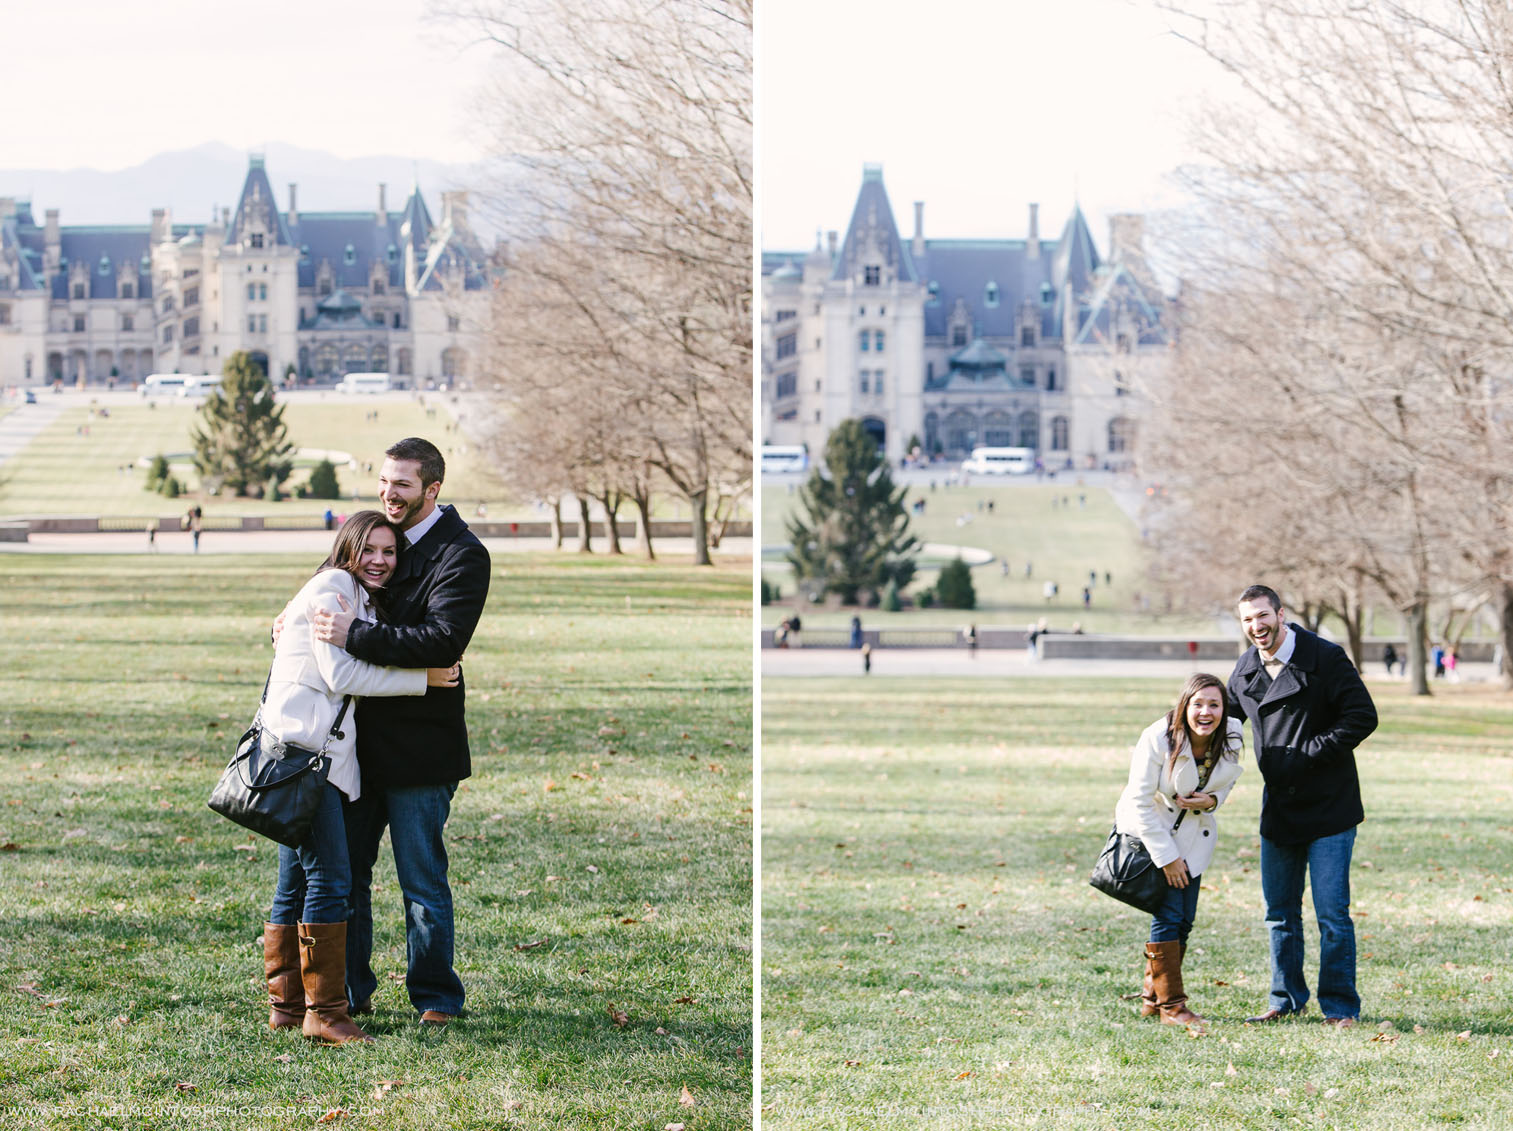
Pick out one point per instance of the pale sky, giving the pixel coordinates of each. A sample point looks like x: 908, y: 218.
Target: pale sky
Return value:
x: 106, y: 84
x: 977, y: 109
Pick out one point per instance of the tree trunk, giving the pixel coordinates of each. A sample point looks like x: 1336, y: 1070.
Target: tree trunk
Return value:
x: 1504, y: 603
x: 643, y: 526
x: 585, y: 532
x: 611, y: 506
x: 556, y: 523
x: 1418, y: 648
x: 698, y: 501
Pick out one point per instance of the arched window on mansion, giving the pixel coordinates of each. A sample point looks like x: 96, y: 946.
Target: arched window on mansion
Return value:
x: 1121, y: 434
x: 454, y: 362
x: 402, y: 362
x: 327, y: 360
x: 1059, y: 434
x: 1029, y: 430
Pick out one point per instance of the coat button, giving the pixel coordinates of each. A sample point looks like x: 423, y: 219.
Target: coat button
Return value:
x: 1205, y: 832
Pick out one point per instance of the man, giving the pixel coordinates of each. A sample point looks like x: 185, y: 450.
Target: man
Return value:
x: 412, y: 753
x: 1308, y: 711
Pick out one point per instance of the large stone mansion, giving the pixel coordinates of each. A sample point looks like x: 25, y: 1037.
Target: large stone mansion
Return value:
x: 323, y: 293
x: 1033, y: 343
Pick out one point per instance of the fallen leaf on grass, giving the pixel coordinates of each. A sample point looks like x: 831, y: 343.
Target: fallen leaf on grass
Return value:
x: 525, y: 946
x: 122, y: 1021
x: 185, y: 1086
x: 29, y: 988
x: 1418, y: 1028
x: 183, y: 839
x: 853, y: 1064
x: 626, y: 922
x: 1311, y: 1089
x: 1463, y: 1035
x: 334, y: 1114
x: 384, y: 1087
x: 686, y: 1098
x: 581, y: 777
x: 619, y: 1016
x: 1230, y: 1069
x: 1331, y: 1093
x: 10, y: 846
x: 285, y: 1058
x: 964, y: 1075
x: 673, y: 1127
x: 685, y: 1000
x: 244, y: 848
x: 549, y: 786
x: 594, y: 868
x: 661, y: 1032
x: 1386, y: 1038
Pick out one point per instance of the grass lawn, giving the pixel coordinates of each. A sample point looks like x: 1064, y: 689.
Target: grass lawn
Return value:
x: 932, y: 955
x: 1061, y: 544
x: 64, y: 471
x: 600, y: 859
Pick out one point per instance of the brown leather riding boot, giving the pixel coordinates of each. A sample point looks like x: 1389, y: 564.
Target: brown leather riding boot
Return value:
x: 323, y: 969
x: 286, y: 993
x: 1166, y: 981
x: 1148, y: 993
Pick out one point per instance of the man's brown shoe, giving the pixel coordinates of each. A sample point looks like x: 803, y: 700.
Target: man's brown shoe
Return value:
x: 1340, y: 1022
x: 1271, y: 1015
x: 435, y: 1019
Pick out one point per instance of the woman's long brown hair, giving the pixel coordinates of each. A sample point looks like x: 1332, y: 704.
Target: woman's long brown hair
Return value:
x: 1179, y: 734
x: 346, y: 551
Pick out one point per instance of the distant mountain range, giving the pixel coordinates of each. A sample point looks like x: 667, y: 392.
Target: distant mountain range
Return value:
x: 191, y: 182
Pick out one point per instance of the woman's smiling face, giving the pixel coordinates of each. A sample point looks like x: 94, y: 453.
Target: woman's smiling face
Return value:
x: 375, y: 565
x: 1204, y: 710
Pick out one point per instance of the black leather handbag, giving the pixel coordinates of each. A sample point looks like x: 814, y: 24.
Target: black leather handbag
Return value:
x: 1125, y: 870
x: 272, y: 788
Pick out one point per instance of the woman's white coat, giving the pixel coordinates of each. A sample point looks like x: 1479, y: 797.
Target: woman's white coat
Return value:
x: 310, y: 677
x: 1146, y: 808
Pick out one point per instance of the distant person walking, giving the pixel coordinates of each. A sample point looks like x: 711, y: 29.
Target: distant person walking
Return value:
x: 196, y: 523
x: 1389, y: 657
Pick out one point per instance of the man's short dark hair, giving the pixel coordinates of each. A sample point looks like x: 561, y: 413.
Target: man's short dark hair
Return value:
x: 433, y: 469
x: 1253, y: 593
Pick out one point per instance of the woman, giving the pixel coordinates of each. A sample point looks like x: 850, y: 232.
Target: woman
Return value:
x: 304, y: 942
x: 1184, y: 766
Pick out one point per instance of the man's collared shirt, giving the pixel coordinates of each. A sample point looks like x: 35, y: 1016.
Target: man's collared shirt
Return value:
x: 423, y: 527
x: 1281, y: 657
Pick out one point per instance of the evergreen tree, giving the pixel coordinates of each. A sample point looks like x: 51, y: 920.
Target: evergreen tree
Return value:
x: 323, y: 484
x: 157, y: 471
x: 851, y: 532
x: 242, y: 441
x: 954, y: 586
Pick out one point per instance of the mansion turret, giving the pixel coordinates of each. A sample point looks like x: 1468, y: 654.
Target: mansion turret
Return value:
x: 326, y: 293
x: 1034, y: 343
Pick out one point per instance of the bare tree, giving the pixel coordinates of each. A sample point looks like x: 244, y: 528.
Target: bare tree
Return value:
x: 1360, y: 182
x: 626, y: 130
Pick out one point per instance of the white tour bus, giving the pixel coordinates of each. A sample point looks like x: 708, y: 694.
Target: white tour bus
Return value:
x: 364, y: 383
x: 178, y: 384
x: 999, y: 461
x: 778, y: 458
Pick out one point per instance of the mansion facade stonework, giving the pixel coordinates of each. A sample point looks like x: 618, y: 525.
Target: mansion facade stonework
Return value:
x: 320, y: 293
x: 952, y: 344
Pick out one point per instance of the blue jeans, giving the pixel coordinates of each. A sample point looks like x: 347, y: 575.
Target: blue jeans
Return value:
x: 315, y: 879
x: 414, y: 816
x: 1174, y: 919
x: 1326, y: 862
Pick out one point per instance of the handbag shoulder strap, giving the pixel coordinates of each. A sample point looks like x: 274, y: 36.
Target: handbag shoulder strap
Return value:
x: 1202, y: 781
